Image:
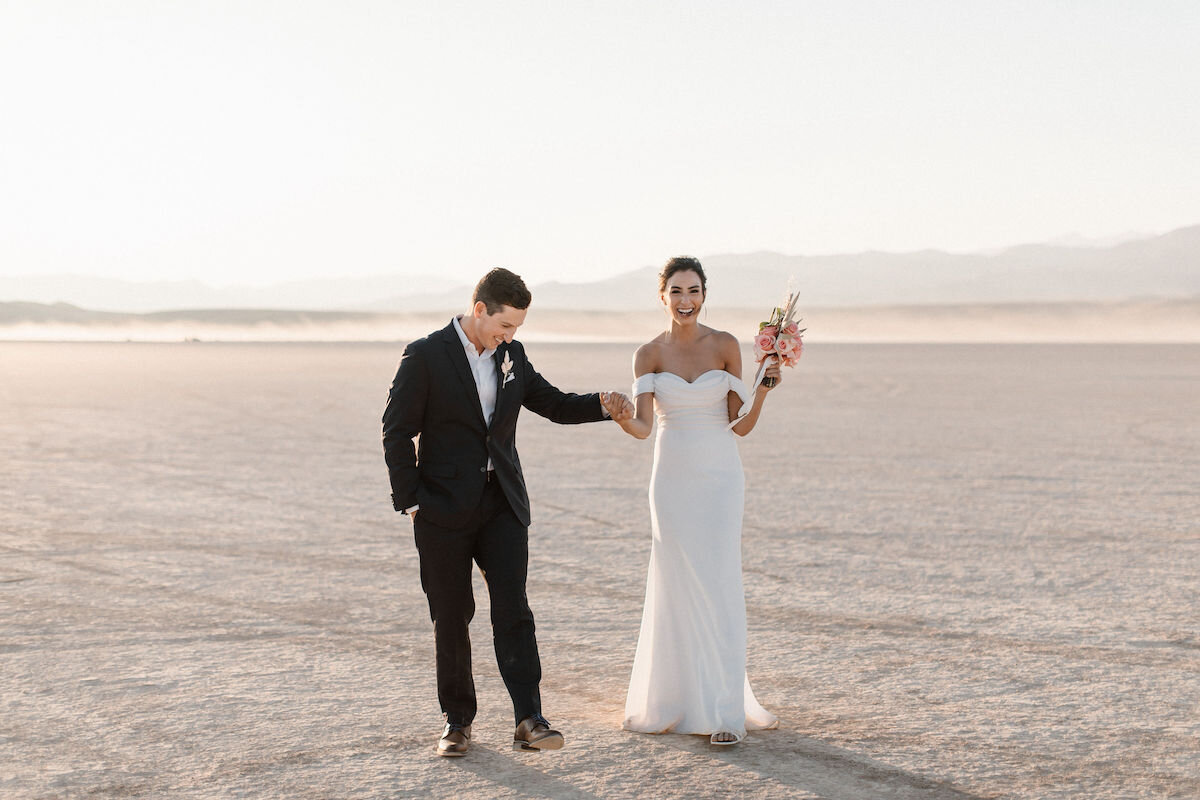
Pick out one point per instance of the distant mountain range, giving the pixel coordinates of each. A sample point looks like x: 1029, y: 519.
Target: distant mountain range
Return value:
x: 1162, y: 266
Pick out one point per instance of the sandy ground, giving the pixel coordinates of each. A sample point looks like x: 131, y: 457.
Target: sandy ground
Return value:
x: 971, y: 573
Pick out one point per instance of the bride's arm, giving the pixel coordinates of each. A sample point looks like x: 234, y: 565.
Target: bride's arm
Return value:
x: 733, y: 364
x: 642, y: 422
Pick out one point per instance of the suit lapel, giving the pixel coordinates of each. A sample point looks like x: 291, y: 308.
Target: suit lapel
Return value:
x: 454, y: 349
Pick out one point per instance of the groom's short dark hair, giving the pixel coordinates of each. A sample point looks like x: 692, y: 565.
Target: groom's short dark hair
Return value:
x: 501, y: 288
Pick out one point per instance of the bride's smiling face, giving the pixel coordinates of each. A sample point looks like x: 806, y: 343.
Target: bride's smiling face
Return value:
x: 683, y: 297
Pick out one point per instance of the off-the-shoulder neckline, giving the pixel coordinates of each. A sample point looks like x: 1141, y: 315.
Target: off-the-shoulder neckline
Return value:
x: 694, y: 380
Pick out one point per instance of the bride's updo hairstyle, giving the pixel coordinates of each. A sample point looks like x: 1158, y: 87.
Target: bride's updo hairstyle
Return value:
x: 682, y: 264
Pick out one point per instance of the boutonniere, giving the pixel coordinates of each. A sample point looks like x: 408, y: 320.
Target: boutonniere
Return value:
x: 506, y: 369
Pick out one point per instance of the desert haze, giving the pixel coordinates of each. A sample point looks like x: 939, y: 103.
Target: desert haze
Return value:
x: 1145, y: 321
x: 1143, y: 290
x: 970, y: 570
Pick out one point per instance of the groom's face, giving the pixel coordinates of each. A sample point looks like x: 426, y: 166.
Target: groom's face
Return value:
x: 496, y: 329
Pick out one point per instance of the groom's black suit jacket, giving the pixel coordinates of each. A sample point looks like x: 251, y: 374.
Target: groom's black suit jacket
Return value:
x: 434, y: 395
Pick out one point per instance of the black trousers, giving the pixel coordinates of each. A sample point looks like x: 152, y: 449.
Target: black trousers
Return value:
x: 497, y: 541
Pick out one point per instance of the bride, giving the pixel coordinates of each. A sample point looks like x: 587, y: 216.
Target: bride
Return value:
x: 689, y: 671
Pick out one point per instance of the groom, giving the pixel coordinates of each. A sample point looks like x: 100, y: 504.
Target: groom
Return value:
x: 461, y: 390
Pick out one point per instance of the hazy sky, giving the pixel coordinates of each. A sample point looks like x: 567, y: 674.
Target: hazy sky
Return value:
x: 259, y: 141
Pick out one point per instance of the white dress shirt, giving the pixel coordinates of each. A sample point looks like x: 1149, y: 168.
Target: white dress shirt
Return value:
x: 483, y: 368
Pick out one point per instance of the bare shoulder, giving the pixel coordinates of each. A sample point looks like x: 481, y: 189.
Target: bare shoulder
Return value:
x: 724, y: 339
x: 724, y: 343
x: 648, y: 357
x: 729, y: 351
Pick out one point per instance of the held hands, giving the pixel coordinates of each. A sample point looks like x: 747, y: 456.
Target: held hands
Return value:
x: 618, y: 406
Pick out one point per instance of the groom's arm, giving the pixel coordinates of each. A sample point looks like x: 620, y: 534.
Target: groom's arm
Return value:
x: 565, y: 408
x: 402, y: 420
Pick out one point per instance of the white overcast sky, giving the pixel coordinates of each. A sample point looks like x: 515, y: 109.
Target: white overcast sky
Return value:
x: 261, y: 141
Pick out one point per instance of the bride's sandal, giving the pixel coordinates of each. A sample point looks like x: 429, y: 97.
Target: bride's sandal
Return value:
x: 724, y: 738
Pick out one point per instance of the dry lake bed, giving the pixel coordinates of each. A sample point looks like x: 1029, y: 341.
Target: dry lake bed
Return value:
x: 972, y: 571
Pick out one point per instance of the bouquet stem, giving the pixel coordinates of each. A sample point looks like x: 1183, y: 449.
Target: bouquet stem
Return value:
x: 758, y: 376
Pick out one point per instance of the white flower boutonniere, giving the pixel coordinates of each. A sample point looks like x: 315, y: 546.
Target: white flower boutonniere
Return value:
x: 506, y: 368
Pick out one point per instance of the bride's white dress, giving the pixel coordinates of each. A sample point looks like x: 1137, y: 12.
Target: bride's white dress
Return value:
x: 689, y: 671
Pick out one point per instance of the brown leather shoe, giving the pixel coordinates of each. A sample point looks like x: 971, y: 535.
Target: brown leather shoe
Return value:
x: 534, y: 733
x: 455, y: 740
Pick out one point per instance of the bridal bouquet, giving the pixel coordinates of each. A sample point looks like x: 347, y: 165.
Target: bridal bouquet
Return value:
x: 780, y: 335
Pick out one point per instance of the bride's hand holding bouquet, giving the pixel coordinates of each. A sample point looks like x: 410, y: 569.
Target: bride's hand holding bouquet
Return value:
x: 779, y: 341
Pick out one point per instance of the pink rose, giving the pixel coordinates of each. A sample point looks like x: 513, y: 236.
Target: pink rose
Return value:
x: 792, y: 330
x: 789, y: 349
x: 763, y: 344
x: 769, y: 330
